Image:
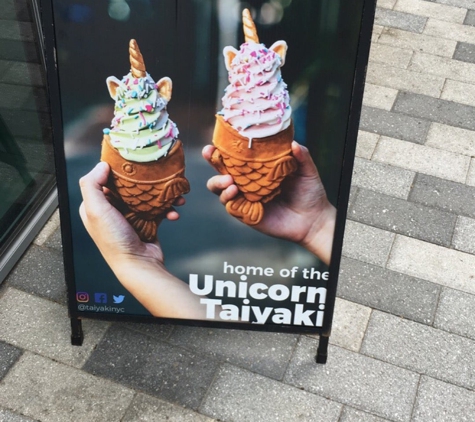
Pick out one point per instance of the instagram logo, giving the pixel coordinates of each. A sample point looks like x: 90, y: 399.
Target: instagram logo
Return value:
x: 82, y: 297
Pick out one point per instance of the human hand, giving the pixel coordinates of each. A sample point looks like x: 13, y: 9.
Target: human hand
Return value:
x: 139, y: 266
x: 301, y: 213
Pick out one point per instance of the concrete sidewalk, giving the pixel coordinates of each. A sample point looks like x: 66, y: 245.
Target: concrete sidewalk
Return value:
x: 403, y: 345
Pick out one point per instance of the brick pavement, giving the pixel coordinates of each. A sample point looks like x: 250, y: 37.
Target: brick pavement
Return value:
x: 403, y: 344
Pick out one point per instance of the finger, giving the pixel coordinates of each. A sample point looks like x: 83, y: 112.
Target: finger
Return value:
x: 302, y: 155
x: 229, y: 193
x: 217, y: 184
x: 179, y: 201
x: 207, y: 152
x: 172, y: 215
x: 92, y: 184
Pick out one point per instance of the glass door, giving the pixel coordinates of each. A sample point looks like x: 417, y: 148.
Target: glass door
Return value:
x: 27, y: 176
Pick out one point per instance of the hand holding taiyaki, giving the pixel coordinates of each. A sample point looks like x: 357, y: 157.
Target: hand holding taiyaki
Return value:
x: 300, y: 214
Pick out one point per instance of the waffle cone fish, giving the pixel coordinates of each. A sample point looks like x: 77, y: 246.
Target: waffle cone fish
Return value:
x: 254, y: 131
x: 146, y: 158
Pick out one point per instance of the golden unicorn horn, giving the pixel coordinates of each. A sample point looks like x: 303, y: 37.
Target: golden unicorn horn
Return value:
x: 250, y: 31
x: 136, y: 60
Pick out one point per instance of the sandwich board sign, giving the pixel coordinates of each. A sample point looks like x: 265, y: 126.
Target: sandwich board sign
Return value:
x: 204, y: 153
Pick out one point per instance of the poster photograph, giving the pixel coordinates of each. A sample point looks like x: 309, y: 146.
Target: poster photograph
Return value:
x: 202, y: 156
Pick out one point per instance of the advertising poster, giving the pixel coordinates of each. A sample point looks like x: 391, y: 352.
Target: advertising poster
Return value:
x: 222, y: 127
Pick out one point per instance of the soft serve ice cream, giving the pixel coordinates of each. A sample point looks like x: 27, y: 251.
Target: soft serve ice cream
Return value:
x: 256, y: 101
x: 254, y: 131
x: 141, y: 129
x: 146, y: 158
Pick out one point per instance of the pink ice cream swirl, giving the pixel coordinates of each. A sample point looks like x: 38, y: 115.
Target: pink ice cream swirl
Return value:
x: 256, y: 101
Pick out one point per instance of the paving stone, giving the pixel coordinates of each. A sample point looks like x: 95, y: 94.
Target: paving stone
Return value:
x: 449, y: 138
x: 420, y: 348
x: 422, y: 159
x: 389, y: 291
x: 467, y: 4
x: 394, y: 124
x: 417, y: 42
x: 49, y: 228
x: 400, y: 20
x: 464, y: 235
x: 377, y: 29
x: 387, y: 54
x: 239, y: 395
x: 156, y: 329
x: 454, y: 313
x: 157, y: 368
x: 434, y: 263
x: 465, y: 52
x: 52, y: 392
x: 16, y: 31
x: 40, y: 272
x: 449, y: 30
x: 352, y: 415
x: 431, y: 10
x: 264, y: 353
x: 43, y: 327
x: 429, y: 64
x: 442, y: 402
x: 454, y: 197
x: 382, y: 178
x: 8, y: 356
x: 366, y: 243
x: 150, y: 409
x: 353, y: 194
x: 470, y: 18
x: 366, y: 144
x: 55, y: 241
x: 7, y: 416
x: 349, y: 324
x: 387, y: 4
x: 356, y: 380
x: 404, y: 80
x: 459, y: 92
x: 379, y: 96
x: 471, y: 173
x: 403, y: 217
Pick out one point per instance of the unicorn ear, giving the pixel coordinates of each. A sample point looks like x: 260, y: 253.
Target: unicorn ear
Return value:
x: 112, y: 84
x: 229, y: 54
x: 164, y: 86
x: 280, y: 47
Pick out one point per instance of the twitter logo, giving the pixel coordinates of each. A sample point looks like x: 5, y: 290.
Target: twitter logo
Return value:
x: 118, y: 299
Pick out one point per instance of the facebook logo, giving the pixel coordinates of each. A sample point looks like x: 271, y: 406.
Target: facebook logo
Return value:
x: 100, y: 298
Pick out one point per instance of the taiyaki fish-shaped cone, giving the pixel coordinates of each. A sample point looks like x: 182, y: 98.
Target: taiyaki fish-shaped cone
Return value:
x: 254, y: 131
x: 147, y: 189
x: 146, y: 158
x: 257, y: 171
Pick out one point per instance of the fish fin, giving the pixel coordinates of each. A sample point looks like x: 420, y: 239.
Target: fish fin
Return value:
x: 282, y: 168
x: 174, y: 188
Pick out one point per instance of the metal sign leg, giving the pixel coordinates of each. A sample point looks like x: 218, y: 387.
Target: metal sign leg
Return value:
x: 322, y: 351
x: 77, y: 335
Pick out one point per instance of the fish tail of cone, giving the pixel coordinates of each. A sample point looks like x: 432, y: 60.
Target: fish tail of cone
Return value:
x: 249, y: 27
x: 250, y: 213
x: 146, y: 229
x: 137, y: 65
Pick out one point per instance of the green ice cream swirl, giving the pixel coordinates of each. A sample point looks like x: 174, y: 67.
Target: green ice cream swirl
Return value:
x: 140, y: 130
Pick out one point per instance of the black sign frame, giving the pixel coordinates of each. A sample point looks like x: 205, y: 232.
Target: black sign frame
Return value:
x: 353, y: 117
